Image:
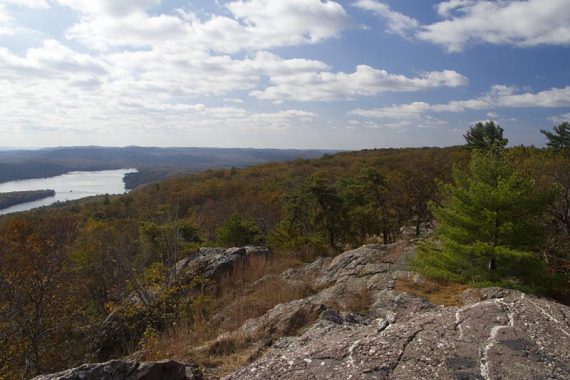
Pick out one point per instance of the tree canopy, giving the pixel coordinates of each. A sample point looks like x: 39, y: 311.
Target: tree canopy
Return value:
x: 486, y: 136
x: 559, y: 139
x: 488, y: 225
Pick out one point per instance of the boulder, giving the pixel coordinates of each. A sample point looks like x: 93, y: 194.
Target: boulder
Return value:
x: 211, y: 263
x: 129, y: 370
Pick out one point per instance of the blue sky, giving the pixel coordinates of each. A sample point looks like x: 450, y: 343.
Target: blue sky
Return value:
x: 280, y: 73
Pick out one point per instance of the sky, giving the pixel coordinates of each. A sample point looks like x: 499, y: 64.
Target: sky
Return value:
x: 320, y: 74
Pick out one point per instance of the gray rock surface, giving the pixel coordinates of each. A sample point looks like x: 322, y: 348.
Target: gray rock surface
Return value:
x: 361, y: 279
x: 355, y: 325
x: 129, y: 370
x: 514, y: 336
x: 211, y: 263
x: 498, y: 334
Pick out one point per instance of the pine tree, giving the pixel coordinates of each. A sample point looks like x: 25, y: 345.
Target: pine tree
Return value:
x: 488, y: 226
x: 486, y: 136
x: 559, y: 139
x: 238, y: 231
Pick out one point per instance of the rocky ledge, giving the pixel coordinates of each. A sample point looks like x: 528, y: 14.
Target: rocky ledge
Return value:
x: 495, y: 334
x: 129, y: 370
x: 509, y: 336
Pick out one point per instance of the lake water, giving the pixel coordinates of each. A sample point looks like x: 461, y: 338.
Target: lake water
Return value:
x: 70, y: 186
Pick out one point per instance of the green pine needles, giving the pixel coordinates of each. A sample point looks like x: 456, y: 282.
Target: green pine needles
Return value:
x: 488, y: 226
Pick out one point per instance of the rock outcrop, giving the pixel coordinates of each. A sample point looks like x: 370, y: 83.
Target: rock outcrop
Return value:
x: 515, y: 336
x: 129, y: 370
x: 121, y: 331
x: 211, y: 263
x: 361, y: 279
x: 354, y: 324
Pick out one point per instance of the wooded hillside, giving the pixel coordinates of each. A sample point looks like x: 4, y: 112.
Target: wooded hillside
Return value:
x: 64, y: 269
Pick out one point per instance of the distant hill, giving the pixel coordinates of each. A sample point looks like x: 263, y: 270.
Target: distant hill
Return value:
x: 153, y: 163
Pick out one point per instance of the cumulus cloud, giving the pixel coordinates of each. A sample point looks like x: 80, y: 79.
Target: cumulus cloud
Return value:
x: 447, y: 8
x: 524, y: 23
x: 136, y: 29
x: 197, y: 73
x: 365, y: 81
x: 107, y: 7
x: 304, y: 20
x: 254, y: 25
x: 395, y: 22
x: 498, y: 97
x: 52, y: 87
x: 49, y: 61
x: 27, y: 3
x: 521, y: 23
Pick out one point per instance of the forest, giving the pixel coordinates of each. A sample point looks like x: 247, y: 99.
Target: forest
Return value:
x: 501, y: 216
x: 16, y: 197
x: 153, y: 164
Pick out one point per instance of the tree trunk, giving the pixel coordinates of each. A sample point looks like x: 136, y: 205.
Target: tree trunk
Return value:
x: 492, y: 264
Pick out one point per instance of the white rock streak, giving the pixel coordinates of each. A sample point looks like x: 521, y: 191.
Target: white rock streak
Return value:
x: 492, y: 340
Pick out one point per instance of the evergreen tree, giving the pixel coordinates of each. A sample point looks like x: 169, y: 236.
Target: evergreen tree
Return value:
x: 559, y: 139
x: 488, y: 226
x: 486, y: 136
x: 314, y: 216
x: 367, y: 199
x: 238, y: 231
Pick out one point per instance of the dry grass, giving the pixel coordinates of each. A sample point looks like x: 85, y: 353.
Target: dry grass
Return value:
x: 269, y: 292
x: 356, y: 301
x: 256, y: 267
x: 248, y: 291
x: 440, y: 293
x: 359, y: 301
x: 173, y: 343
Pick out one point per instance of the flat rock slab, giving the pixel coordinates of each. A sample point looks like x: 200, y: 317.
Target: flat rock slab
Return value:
x: 129, y: 370
x: 513, y: 337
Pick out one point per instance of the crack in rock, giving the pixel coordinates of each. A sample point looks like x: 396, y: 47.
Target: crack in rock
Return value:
x: 550, y: 317
x: 491, y: 340
x: 403, y: 350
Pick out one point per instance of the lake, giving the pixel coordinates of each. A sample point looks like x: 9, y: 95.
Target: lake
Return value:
x: 70, y: 186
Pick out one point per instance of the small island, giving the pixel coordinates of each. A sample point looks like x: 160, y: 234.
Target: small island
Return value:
x: 16, y: 197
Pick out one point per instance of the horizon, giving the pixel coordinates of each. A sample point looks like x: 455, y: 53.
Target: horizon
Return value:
x: 295, y: 74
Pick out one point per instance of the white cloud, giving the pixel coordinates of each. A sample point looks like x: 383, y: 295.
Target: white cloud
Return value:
x: 197, y: 73
x: 499, y: 97
x: 447, y: 8
x: 365, y: 81
x: 52, y: 87
x: 40, y: 4
x: 49, y: 61
x: 5, y: 22
x: 400, y: 124
x: 255, y: 25
x: 520, y: 23
x: 401, y: 111
x: 136, y: 29
x: 558, y: 119
x: 555, y: 97
x: 107, y: 7
x: 395, y: 22
x: 304, y: 20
